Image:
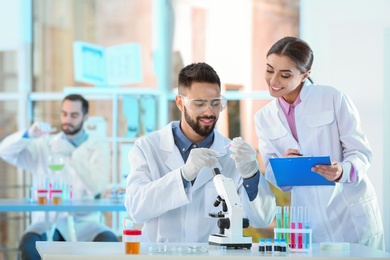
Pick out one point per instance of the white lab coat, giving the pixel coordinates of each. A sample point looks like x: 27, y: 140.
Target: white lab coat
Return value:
x: 88, y: 169
x: 155, y: 194
x: 327, y: 123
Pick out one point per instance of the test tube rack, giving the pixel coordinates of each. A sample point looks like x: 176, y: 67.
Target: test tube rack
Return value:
x: 307, y: 233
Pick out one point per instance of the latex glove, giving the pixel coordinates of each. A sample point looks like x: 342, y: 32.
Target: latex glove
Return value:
x: 40, y: 128
x: 244, y: 155
x: 198, y: 158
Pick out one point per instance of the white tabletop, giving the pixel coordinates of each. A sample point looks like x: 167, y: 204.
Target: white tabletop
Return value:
x: 26, y: 205
x: 115, y: 250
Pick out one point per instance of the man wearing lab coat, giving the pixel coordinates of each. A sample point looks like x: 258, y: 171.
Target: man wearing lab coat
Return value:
x: 86, y: 166
x: 170, y: 186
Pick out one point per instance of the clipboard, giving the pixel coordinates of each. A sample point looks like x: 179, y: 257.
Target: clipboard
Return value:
x: 296, y: 171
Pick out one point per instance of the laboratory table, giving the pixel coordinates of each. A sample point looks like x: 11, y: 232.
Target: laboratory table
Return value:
x: 27, y: 205
x: 115, y: 250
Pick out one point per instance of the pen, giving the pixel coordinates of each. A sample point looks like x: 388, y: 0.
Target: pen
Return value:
x: 297, y: 154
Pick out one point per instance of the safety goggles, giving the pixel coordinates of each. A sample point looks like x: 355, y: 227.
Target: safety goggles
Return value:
x: 200, y: 105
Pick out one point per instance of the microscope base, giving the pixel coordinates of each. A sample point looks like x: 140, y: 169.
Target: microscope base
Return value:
x: 220, y: 240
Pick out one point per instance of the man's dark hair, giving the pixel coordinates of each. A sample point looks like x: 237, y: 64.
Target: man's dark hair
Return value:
x: 197, y: 72
x: 76, y: 97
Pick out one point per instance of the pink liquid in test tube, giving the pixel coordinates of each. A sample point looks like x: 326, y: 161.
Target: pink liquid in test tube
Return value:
x: 300, y: 226
x: 292, y: 226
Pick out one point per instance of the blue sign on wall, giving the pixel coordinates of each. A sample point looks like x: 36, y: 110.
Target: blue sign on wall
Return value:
x: 114, y: 65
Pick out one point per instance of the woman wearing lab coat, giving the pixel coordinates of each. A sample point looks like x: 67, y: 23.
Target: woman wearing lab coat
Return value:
x: 309, y: 119
x: 172, y: 195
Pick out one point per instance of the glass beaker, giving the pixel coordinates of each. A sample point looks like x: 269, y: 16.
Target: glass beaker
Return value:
x: 56, y: 162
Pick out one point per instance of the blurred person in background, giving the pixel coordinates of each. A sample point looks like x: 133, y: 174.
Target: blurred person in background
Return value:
x: 86, y: 162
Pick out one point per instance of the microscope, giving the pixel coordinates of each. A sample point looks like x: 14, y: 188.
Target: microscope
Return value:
x: 231, y: 221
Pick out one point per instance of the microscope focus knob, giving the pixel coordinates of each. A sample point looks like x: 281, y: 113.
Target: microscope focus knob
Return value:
x: 223, y: 223
x: 245, y: 223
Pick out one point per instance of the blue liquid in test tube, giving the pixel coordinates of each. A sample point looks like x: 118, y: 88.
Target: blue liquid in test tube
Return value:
x: 307, y: 226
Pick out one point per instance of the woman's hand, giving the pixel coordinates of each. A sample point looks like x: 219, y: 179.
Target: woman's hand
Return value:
x: 292, y: 152
x: 332, y: 172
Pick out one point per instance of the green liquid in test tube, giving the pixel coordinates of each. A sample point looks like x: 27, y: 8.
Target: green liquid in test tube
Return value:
x: 279, y: 220
x: 286, y: 223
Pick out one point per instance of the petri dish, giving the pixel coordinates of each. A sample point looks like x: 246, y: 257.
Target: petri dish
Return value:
x: 191, y: 250
x: 161, y: 249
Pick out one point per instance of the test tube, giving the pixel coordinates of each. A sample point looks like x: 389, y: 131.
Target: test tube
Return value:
x: 307, y: 226
x: 300, y: 226
x: 278, y: 221
x: 292, y: 226
x: 286, y: 220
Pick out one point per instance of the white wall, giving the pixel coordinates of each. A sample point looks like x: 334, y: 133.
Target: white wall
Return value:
x: 10, y: 25
x: 228, y: 37
x: 347, y: 38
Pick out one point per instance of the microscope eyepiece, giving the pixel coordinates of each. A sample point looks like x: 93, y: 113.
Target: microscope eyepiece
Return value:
x: 216, y: 171
x: 218, y: 201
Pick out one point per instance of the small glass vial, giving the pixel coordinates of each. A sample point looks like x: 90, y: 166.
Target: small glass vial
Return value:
x: 261, y: 246
x: 276, y: 247
x: 42, y: 196
x: 131, y: 238
x: 268, y: 246
x: 283, y: 247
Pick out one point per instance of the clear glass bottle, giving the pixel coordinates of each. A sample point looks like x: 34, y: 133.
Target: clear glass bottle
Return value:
x: 283, y: 247
x: 261, y: 246
x: 268, y: 246
x: 276, y: 246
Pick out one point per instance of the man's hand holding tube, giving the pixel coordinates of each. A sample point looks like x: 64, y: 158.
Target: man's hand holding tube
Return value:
x: 40, y: 128
x: 198, y: 158
x: 244, y: 155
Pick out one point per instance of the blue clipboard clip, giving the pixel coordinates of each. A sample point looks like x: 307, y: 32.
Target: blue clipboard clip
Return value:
x: 296, y: 171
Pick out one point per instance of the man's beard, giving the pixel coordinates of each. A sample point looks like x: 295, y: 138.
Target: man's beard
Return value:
x: 196, y: 126
x: 75, y: 130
